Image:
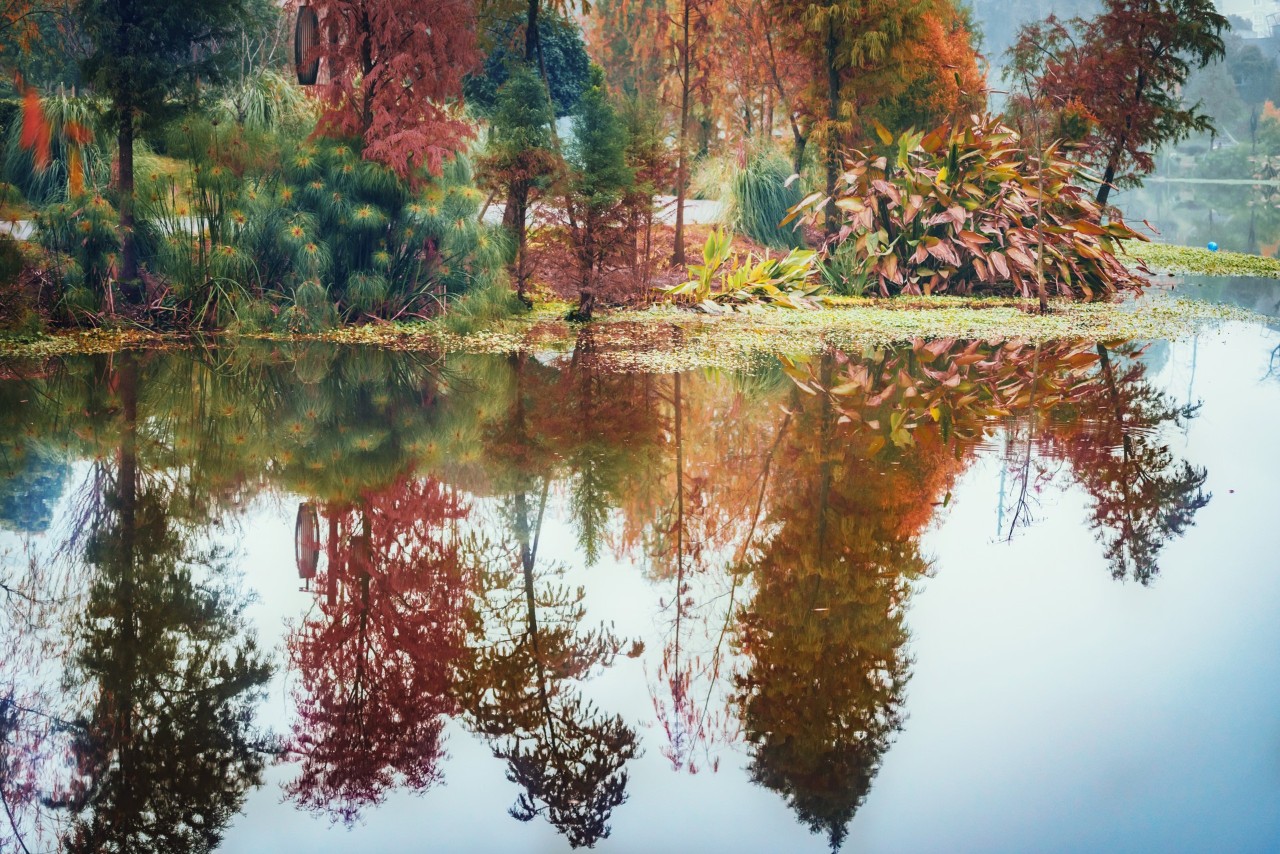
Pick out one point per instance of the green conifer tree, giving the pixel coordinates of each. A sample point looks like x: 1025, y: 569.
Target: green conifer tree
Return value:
x: 521, y: 161
x: 599, y: 181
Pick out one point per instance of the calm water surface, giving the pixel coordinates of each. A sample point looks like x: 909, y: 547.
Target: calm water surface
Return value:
x: 985, y: 598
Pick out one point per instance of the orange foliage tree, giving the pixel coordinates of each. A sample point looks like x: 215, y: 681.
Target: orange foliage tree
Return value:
x: 394, y: 74
x: 940, y: 74
x: 629, y: 40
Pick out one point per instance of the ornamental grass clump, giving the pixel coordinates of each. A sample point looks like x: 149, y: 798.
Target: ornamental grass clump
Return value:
x: 760, y: 195
x: 967, y: 209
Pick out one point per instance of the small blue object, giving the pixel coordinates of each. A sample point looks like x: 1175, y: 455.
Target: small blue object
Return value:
x: 1213, y: 247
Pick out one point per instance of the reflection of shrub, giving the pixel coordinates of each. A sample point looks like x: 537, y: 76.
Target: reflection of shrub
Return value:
x: 957, y: 210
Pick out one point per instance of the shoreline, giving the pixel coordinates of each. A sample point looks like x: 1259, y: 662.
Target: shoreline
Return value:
x: 663, y: 338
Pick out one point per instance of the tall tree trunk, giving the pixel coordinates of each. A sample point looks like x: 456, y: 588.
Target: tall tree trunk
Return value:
x: 519, y: 204
x: 833, y: 117
x: 1108, y: 176
x: 532, y: 46
x: 682, y: 165
x: 1117, y: 150
x: 129, y: 283
x: 587, y: 284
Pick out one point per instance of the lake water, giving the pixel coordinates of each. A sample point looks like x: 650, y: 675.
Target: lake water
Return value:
x: 1238, y: 217
x: 983, y: 598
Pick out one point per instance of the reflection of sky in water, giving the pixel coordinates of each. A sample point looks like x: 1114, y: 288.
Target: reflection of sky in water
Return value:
x: 1050, y: 707
x: 1052, y: 710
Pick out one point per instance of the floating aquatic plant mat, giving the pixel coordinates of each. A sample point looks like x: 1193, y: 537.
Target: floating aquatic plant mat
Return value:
x: 86, y: 342
x: 1180, y: 260
x: 665, y: 338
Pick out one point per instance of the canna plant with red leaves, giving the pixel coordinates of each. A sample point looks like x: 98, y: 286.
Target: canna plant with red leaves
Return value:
x: 963, y: 209
x: 962, y: 390
x: 393, y: 75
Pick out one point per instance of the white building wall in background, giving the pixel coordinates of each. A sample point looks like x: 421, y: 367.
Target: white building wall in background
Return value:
x: 1258, y: 12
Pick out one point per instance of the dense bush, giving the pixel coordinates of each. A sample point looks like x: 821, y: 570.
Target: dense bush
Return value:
x: 382, y: 247
x: 959, y: 210
x: 76, y: 163
x: 760, y: 196
x: 18, y: 308
x: 254, y: 228
x: 82, y: 243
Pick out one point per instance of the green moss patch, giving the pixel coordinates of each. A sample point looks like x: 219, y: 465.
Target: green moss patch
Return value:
x: 1176, y: 260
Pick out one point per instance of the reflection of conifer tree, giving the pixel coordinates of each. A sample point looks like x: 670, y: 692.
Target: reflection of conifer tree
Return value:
x: 377, y: 664
x: 603, y: 425
x: 1142, y: 495
x: 822, y: 698
x: 568, y: 756
x: 164, y: 751
x: 589, y: 496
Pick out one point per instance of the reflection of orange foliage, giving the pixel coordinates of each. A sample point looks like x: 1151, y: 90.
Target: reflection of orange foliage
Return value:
x: 1269, y: 111
x: 821, y: 699
x: 377, y: 664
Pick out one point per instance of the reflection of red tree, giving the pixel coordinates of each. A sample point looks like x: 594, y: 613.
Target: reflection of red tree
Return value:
x: 377, y: 663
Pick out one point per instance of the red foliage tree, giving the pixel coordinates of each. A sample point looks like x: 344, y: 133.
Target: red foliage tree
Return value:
x: 378, y: 662
x: 1126, y: 69
x: 394, y: 71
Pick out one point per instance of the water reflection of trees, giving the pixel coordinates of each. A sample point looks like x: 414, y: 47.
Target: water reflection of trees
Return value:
x: 162, y: 671
x: 377, y: 661
x: 1088, y: 405
x: 821, y: 697
x: 1142, y: 495
x: 779, y: 524
x: 534, y: 647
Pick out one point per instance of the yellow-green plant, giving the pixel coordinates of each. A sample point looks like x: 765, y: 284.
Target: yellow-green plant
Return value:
x: 788, y: 281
